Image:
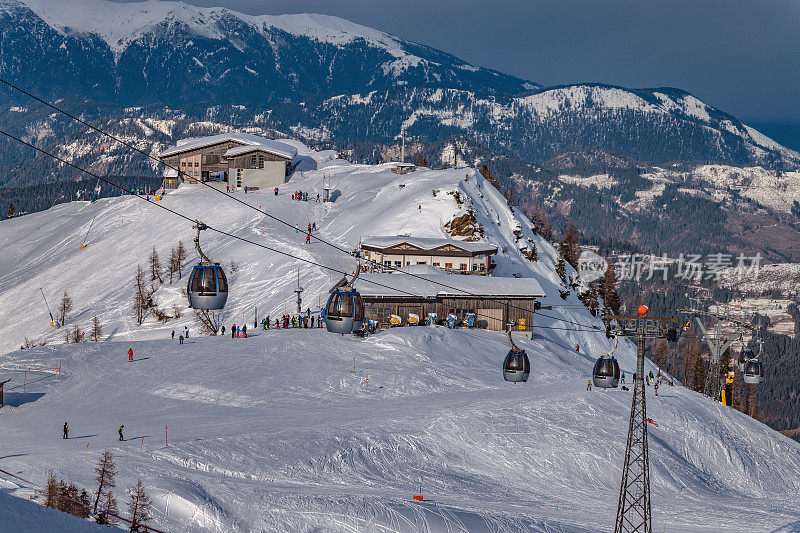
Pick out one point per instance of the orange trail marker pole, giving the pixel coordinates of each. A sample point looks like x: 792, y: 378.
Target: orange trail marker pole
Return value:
x: 87, y: 452
x: 141, y: 445
x: 166, y: 442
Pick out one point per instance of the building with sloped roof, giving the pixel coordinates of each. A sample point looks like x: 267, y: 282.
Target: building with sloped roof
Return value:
x: 234, y: 160
x: 451, y: 255
x: 493, y: 302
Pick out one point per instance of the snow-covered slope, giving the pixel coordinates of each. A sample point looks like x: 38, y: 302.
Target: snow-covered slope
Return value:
x: 303, y: 430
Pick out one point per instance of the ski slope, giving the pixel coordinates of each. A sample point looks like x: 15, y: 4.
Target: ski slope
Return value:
x: 301, y: 430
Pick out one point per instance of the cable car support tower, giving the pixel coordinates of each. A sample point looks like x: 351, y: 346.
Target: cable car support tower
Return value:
x: 633, y: 509
x: 717, y: 344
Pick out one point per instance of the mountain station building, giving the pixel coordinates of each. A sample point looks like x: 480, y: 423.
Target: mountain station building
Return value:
x: 494, y: 301
x: 234, y: 160
x: 450, y: 255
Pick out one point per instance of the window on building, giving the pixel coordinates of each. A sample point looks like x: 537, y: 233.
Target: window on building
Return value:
x: 398, y: 264
x: 463, y: 266
x: 474, y: 267
x: 253, y: 161
x: 204, y: 159
x: 437, y: 264
x: 260, y: 160
x: 183, y: 163
x: 483, y: 266
x: 196, y: 163
x: 422, y: 262
x: 387, y: 263
x: 448, y: 265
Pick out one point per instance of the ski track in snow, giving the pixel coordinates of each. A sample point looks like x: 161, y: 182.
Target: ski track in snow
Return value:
x: 277, y: 432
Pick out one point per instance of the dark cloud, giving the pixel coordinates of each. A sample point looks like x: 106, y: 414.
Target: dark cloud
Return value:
x: 740, y: 55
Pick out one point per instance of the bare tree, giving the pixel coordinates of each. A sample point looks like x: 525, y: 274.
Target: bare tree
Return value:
x: 110, y: 508
x: 173, y: 265
x: 541, y: 222
x: 97, y: 329
x: 181, y: 257
x: 64, y: 308
x: 77, y: 334
x: 51, y: 492
x: 105, y: 473
x: 210, y: 320
x: 142, y: 296
x: 138, y: 505
x: 155, y: 266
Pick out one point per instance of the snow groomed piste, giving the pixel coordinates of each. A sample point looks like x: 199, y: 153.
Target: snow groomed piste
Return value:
x: 281, y: 431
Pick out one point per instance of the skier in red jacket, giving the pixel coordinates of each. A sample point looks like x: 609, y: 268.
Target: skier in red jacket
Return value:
x: 130, y: 354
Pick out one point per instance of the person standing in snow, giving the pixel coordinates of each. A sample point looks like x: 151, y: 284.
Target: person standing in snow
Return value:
x: 223, y: 330
x: 623, y: 377
x: 578, y: 348
x: 121, y: 438
x: 173, y: 334
x: 588, y: 384
x: 244, y: 331
x: 308, y: 239
x: 66, y: 431
x: 180, y: 339
x: 130, y: 354
x: 233, y: 331
x: 655, y: 386
x: 276, y: 191
x: 312, y: 322
x: 185, y: 332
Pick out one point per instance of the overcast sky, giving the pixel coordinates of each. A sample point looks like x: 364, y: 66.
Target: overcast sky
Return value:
x: 741, y: 56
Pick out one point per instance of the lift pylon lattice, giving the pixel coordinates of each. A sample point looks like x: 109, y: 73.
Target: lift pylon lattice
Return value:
x: 634, y: 508
x: 717, y: 345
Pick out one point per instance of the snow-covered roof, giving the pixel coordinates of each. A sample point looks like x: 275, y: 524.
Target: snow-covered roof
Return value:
x: 170, y: 172
x: 421, y: 269
x: 426, y: 243
x: 239, y: 150
x: 268, y: 145
x: 433, y: 285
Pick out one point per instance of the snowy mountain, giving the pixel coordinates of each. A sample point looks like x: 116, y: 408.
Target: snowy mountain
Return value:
x: 304, y: 430
x: 332, y: 80
x: 172, y: 52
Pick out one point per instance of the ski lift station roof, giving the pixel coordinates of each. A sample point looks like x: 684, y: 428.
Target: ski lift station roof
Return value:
x: 247, y: 140
x: 433, y: 286
x: 426, y: 243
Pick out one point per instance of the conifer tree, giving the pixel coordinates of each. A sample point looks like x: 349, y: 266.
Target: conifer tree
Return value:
x: 12, y: 210
x: 138, y: 505
x: 105, y: 474
x: 97, y: 329
x: 181, y: 257
x: 64, y: 308
x: 51, y: 492
x: 570, y: 247
x: 608, y: 289
x: 155, y: 266
x: 109, y: 509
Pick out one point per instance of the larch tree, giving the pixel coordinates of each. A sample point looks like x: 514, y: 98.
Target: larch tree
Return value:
x: 141, y: 297
x: 155, y: 266
x: 608, y: 289
x: 181, y: 257
x: 64, y: 308
x: 97, y: 329
x: 105, y: 474
x: 109, y: 508
x: 570, y: 247
x: 138, y: 505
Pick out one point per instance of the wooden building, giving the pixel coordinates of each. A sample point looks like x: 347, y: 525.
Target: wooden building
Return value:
x: 495, y: 301
x: 234, y: 160
x: 454, y: 256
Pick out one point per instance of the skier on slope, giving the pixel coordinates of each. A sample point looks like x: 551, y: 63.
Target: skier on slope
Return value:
x: 588, y: 384
x: 308, y: 239
x: 623, y: 377
x: 173, y: 334
x: 66, y: 431
x: 130, y: 354
x: 186, y: 332
x: 121, y: 438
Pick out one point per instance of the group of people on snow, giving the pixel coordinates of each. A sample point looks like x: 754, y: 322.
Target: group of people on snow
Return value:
x: 300, y: 196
